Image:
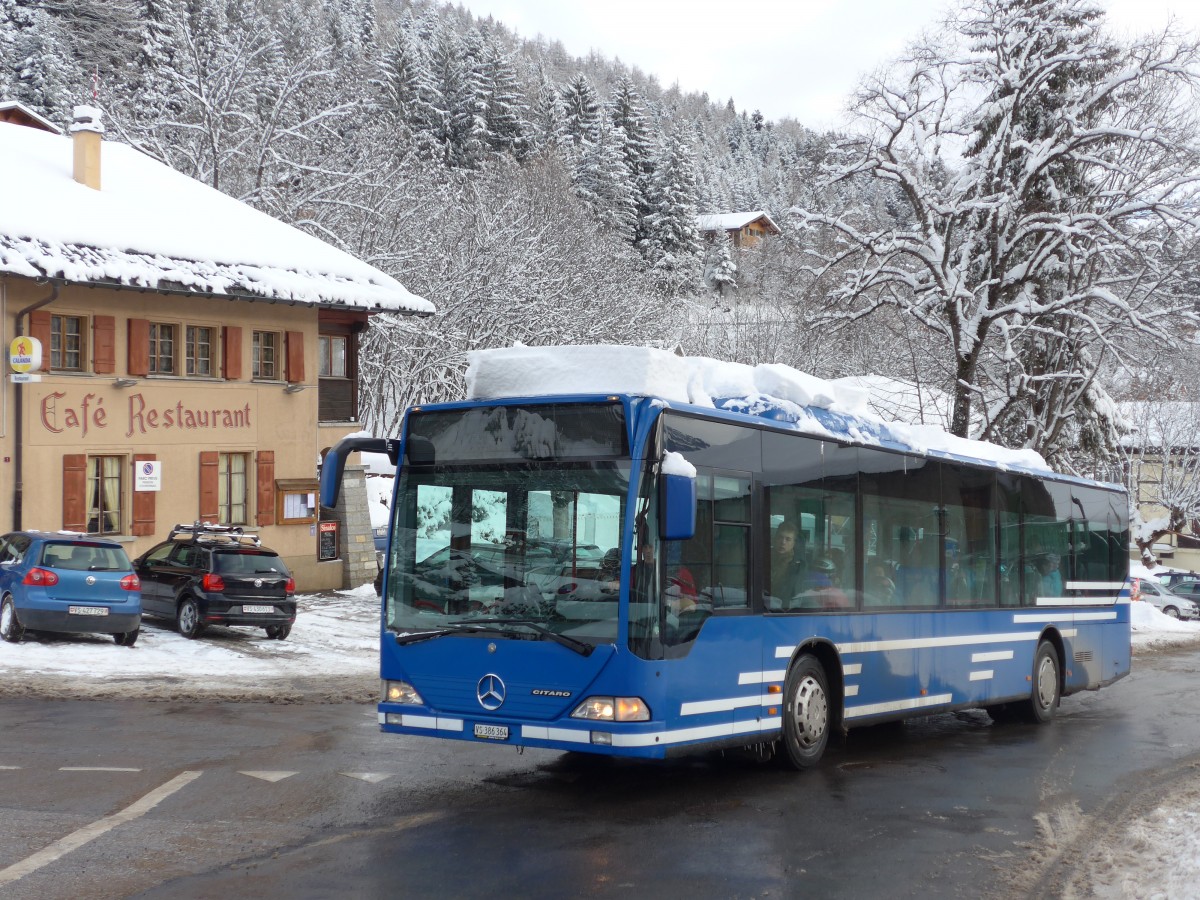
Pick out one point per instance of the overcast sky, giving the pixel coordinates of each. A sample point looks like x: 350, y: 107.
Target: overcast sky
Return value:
x: 798, y: 58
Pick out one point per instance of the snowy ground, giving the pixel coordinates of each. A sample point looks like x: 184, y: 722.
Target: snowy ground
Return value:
x: 332, y: 656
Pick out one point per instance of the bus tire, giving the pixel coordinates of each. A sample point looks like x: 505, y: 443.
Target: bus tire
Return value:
x: 806, y: 718
x: 1047, y: 689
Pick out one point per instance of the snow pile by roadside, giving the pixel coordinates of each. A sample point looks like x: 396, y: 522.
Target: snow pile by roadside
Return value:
x: 331, y: 655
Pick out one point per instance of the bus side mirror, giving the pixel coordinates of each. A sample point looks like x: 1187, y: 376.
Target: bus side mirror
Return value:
x: 334, y: 464
x: 678, y: 508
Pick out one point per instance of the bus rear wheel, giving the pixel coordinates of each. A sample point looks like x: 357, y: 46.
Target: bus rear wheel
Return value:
x: 805, y: 712
x: 1047, y: 690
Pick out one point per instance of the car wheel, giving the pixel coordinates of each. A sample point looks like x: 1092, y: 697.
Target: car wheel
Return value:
x: 806, y: 714
x: 187, y: 619
x: 127, y: 638
x: 10, y: 626
x: 278, y: 632
x: 1171, y: 611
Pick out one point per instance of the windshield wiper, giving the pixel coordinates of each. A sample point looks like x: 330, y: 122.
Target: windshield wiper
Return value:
x: 580, y: 647
x: 412, y: 637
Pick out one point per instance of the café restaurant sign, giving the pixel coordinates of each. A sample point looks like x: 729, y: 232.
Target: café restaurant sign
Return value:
x: 138, y: 416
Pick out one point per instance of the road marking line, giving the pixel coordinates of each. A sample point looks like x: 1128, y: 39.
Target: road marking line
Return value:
x: 270, y: 776
x: 370, y: 777
x: 78, y: 838
x: 9, y: 768
x: 95, y: 769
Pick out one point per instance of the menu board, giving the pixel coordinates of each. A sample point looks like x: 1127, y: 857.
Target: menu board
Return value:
x: 327, y: 541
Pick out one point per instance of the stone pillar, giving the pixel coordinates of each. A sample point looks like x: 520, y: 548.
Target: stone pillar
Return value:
x: 359, y: 565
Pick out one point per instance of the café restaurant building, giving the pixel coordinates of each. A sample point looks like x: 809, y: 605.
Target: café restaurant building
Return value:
x: 172, y: 355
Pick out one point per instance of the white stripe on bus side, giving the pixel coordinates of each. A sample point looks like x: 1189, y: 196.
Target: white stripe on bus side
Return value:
x: 1067, y: 616
x: 982, y: 675
x: 871, y: 709
x: 1095, y: 585
x: 992, y: 656
x: 727, y: 729
x: 725, y: 704
x: 761, y: 677
x: 1076, y: 601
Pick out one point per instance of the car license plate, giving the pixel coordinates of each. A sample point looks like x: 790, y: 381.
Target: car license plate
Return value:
x: 250, y: 608
x: 88, y: 610
x: 492, y: 732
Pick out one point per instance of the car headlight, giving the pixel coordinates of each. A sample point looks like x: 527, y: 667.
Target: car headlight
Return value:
x: 613, y: 709
x: 401, y: 692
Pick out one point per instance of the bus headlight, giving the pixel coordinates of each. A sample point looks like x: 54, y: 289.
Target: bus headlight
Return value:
x: 613, y: 709
x: 401, y: 692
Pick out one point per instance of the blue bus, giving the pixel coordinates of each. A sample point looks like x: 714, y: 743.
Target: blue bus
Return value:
x: 642, y: 577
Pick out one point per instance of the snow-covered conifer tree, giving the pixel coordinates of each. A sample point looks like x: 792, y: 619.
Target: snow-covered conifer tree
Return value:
x: 1047, y: 226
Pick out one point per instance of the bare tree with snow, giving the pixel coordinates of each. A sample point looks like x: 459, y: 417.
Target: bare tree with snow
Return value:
x: 1047, y: 177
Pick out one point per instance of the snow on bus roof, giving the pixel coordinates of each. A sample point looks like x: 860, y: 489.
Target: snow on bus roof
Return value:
x: 770, y: 391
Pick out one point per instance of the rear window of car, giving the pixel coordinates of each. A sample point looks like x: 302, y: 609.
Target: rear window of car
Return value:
x: 248, y: 562
x: 85, y: 557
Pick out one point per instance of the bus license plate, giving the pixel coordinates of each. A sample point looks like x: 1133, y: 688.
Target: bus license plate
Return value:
x: 250, y: 608
x: 88, y: 610
x: 492, y: 732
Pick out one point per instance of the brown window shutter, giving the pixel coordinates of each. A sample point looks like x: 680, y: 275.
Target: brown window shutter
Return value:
x: 139, y: 347
x: 265, y: 487
x: 209, y: 498
x: 39, y: 327
x: 104, y: 346
x: 143, y: 502
x: 231, y: 352
x: 295, y: 357
x: 75, y: 492
x: 265, y: 501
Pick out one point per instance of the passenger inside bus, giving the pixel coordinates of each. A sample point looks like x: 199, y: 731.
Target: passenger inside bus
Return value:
x: 1046, y: 579
x: 881, y: 589
x: 822, y: 586
x: 787, y: 567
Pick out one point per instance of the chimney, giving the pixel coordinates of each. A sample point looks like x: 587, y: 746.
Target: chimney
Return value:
x: 86, y: 131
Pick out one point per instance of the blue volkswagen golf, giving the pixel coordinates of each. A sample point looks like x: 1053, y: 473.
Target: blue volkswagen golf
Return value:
x: 62, y: 581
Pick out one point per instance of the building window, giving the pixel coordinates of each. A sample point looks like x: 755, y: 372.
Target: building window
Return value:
x: 333, y: 356
x: 231, y: 488
x: 66, y: 343
x: 104, y: 494
x: 266, y: 355
x: 199, y: 350
x: 296, y: 501
x: 162, y: 349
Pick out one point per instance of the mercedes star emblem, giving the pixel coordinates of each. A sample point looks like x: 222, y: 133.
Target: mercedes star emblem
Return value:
x: 91, y: 579
x: 258, y: 582
x: 490, y: 692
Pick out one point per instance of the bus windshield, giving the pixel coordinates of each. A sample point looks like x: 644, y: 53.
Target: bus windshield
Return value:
x: 535, y: 544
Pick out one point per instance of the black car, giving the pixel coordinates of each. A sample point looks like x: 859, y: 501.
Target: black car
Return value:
x: 217, y: 575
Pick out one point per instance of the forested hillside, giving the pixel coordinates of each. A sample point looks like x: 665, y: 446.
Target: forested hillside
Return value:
x: 540, y: 198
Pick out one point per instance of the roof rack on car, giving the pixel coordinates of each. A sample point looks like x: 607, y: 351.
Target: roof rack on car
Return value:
x: 207, y: 531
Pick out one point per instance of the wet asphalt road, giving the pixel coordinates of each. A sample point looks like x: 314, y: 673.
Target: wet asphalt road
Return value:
x: 310, y: 801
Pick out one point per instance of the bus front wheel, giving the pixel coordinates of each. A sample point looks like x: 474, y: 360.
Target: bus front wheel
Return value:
x: 1047, y: 690
x: 806, y: 712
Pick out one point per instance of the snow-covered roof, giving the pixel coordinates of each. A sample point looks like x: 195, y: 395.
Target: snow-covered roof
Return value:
x: 733, y: 221
x: 153, y: 228
x: 776, y: 393
x: 14, y: 111
x: 894, y: 400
